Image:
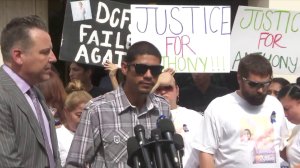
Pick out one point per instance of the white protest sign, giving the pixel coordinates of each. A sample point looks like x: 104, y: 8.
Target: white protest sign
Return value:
x: 274, y: 33
x: 190, y: 38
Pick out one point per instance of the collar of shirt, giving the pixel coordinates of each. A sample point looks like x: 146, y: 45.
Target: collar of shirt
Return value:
x: 125, y: 105
x: 24, y: 87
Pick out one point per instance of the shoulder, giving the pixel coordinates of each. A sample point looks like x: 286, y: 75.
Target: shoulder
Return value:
x: 230, y: 97
x: 273, y: 102
x: 160, y: 103
x: 190, y: 112
x: 271, y: 99
x: 158, y: 100
x: 6, y: 95
x: 105, y: 100
x: 219, y: 104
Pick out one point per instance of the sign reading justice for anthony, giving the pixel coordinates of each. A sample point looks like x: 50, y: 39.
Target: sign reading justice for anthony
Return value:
x: 190, y: 38
x: 274, y: 33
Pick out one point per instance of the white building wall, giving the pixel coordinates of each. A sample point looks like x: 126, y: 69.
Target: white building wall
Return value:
x: 14, y: 8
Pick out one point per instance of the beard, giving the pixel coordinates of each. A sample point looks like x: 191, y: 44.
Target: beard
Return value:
x: 256, y: 99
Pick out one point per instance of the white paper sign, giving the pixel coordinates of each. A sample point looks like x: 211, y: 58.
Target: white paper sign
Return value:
x: 190, y: 38
x: 274, y: 33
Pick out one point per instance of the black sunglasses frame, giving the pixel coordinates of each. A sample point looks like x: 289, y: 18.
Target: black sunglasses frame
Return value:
x: 141, y: 69
x: 257, y: 85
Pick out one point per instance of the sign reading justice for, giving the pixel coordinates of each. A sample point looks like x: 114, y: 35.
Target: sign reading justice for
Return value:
x: 190, y: 38
x: 274, y: 33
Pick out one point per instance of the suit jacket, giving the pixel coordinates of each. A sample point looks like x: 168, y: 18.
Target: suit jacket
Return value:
x: 21, y: 139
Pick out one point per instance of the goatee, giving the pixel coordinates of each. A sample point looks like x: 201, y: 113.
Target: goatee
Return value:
x: 255, y: 100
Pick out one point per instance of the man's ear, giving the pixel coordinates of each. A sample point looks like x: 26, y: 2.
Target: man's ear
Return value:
x: 177, y: 90
x: 124, y: 68
x: 17, y: 56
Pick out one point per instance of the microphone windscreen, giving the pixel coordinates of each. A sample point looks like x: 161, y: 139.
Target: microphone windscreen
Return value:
x: 132, y: 146
x: 166, y: 125
x: 178, y: 141
x: 139, y: 128
x: 156, y: 134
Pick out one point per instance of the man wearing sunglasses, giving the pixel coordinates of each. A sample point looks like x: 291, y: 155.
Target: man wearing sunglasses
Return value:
x: 249, y: 108
x: 109, y: 120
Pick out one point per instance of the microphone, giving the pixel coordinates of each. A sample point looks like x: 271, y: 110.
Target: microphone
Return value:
x: 167, y: 129
x: 139, y: 132
x: 167, y: 160
x: 179, y: 145
x: 178, y: 141
x: 156, y: 137
x: 132, y: 149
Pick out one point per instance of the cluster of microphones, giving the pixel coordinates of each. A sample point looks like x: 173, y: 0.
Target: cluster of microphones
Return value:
x: 164, y: 149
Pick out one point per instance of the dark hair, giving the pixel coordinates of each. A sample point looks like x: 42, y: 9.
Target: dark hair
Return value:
x: 283, y: 82
x: 84, y: 66
x: 96, y: 72
x: 141, y: 48
x: 256, y: 64
x: 17, y: 31
x: 291, y: 90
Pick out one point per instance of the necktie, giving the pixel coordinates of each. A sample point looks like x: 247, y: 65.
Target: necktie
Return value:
x: 38, y: 110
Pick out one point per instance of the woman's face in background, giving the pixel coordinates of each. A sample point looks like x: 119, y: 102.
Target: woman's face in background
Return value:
x: 78, y: 73
x: 273, y: 89
x: 73, y: 117
x: 291, y: 109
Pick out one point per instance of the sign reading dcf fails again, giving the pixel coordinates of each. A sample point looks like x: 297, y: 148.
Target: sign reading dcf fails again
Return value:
x: 95, y: 31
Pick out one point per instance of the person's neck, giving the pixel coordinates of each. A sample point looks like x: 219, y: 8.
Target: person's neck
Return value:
x: 69, y: 128
x: 240, y: 93
x: 134, y: 97
x: 88, y: 86
x: 173, y: 106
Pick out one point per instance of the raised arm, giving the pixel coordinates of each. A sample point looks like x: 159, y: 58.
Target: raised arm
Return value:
x: 164, y: 78
x: 112, y: 68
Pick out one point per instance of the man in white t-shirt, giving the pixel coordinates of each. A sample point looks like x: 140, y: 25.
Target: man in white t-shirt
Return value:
x: 243, y: 129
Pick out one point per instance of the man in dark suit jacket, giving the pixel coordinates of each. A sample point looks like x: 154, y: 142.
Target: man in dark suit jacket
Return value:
x: 27, y: 54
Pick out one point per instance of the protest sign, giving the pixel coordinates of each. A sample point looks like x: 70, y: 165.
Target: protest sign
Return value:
x: 190, y: 38
x: 274, y: 33
x: 95, y: 31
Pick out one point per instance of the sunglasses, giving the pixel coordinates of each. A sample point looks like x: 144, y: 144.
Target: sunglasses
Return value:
x: 257, y: 85
x: 141, y: 69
